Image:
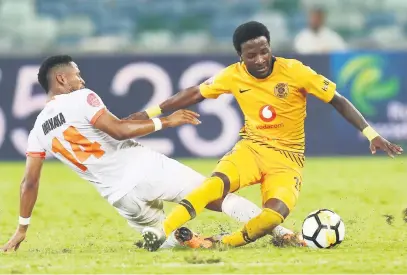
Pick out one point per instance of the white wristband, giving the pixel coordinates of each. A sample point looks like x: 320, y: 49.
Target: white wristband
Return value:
x: 24, y: 221
x: 157, y: 124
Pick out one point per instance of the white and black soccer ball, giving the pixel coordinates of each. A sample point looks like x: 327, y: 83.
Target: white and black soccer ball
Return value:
x: 323, y: 229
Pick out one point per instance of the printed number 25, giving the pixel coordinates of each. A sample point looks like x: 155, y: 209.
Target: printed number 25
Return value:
x: 77, y: 142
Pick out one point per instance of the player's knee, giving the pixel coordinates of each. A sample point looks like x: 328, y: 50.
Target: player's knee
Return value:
x: 229, y: 176
x: 225, y: 181
x: 210, y: 191
x: 277, y: 206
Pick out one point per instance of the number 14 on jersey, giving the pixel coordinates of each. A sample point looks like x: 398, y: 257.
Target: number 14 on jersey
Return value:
x: 82, y: 148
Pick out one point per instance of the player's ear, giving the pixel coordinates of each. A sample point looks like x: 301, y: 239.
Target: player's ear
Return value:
x: 61, y: 79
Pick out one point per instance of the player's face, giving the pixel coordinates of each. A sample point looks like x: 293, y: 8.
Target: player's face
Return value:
x: 256, y: 55
x: 75, y: 79
x: 72, y: 78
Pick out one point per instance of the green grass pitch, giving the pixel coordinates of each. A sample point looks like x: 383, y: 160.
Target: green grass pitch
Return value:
x: 73, y: 230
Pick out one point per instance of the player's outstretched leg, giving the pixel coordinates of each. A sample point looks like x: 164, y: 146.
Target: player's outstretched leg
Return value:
x: 273, y: 214
x: 212, y: 189
x: 188, y: 208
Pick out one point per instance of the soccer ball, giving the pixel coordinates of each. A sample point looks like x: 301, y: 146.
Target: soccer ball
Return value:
x: 323, y: 229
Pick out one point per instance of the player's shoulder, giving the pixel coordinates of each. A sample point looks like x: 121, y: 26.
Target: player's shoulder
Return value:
x: 231, y: 69
x: 291, y: 66
x: 82, y: 93
x: 289, y: 63
x: 85, y: 96
x: 223, y: 74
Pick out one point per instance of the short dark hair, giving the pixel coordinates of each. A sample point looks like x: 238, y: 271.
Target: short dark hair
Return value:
x: 248, y: 31
x: 47, y: 65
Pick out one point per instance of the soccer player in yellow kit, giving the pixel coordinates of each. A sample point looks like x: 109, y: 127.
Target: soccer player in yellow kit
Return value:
x: 271, y: 92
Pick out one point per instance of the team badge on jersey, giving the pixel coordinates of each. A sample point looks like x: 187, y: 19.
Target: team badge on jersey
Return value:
x: 93, y: 100
x: 281, y: 90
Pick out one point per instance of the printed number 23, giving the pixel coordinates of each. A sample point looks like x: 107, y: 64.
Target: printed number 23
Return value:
x: 77, y: 141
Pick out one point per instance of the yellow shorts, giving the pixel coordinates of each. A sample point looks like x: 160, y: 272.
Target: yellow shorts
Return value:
x: 278, y: 172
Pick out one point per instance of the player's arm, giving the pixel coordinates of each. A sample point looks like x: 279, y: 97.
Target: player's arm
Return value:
x: 28, y: 197
x: 353, y: 116
x: 182, y: 99
x: 96, y: 113
x: 122, y: 129
x: 349, y: 111
x: 325, y: 90
x: 212, y: 88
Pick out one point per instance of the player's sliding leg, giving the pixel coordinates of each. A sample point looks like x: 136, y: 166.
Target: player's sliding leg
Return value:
x: 192, y: 205
x: 213, y: 188
x: 140, y: 214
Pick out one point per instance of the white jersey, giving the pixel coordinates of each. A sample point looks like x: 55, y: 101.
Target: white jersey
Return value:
x: 64, y: 128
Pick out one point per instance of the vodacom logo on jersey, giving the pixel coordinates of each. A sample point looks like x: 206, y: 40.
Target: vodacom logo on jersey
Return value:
x: 267, y: 113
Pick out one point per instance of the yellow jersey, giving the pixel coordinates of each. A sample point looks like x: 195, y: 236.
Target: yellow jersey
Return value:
x: 274, y: 108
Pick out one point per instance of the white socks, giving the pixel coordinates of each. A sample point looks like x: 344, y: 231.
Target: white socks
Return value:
x: 170, y: 242
x: 244, y: 210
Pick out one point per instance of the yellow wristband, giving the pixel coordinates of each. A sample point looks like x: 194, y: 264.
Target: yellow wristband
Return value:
x: 370, y: 133
x: 153, y: 111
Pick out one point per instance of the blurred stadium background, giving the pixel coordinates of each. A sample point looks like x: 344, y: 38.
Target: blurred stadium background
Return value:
x: 135, y: 53
x: 193, y: 26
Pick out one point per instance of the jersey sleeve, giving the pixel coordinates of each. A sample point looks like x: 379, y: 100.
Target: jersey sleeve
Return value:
x: 34, y: 148
x: 93, y: 106
x: 316, y: 84
x: 216, y: 85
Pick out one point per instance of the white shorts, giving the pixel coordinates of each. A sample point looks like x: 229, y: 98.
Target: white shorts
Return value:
x: 158, y: 178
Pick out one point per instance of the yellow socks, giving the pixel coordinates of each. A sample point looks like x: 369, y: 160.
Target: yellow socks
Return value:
x: 254, y: 229
x: 193, y: 204
x: 235, y: 239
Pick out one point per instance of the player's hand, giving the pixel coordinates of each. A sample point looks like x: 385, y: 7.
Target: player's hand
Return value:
x: 388, y: 147
x: 181, y: 117
x: 14, y: 243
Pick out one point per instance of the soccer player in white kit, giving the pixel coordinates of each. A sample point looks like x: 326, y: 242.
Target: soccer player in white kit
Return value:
x: 76, y: 128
